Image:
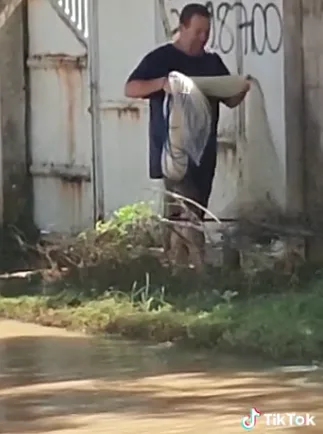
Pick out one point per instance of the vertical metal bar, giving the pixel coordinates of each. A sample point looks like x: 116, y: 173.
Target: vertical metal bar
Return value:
x: 86, y: 18
x: 97, y: 157
x: 305, y: 173
x: 80, y: 10
x: 231, y: 255
x: 67, y: 7
x: 73, y: 11
x: 240, y: 67
x: 28, y: 112
x: 161, y: 16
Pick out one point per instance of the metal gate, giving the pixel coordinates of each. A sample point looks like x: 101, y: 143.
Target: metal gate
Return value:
x: 125, y: 32
x: 60, y: 122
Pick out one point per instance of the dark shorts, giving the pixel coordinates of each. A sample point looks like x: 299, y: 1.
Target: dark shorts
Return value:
x: 196, y: 186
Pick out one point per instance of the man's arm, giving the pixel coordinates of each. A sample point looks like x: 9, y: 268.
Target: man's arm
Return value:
x: 235, y: 100
x: 148, y: 77
x: 143, y: 88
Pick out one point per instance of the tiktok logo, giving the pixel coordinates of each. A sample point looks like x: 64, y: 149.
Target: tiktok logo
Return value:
x: 249, y: 422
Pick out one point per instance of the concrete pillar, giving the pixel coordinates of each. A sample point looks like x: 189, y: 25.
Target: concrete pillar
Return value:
x: 13, y: 156
x: 294, y: 105
x: 312, y: 16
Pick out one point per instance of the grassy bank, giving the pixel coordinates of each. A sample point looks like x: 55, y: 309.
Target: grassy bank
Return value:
x: 281, y: 327
x: 114, y: 284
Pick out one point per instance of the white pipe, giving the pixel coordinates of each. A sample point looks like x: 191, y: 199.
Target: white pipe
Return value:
x: 97, y: 158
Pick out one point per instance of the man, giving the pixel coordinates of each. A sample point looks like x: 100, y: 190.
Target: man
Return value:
x: 149, y: 80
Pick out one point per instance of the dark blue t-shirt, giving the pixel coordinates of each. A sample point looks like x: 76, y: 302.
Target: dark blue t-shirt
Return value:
x: 159, y: 63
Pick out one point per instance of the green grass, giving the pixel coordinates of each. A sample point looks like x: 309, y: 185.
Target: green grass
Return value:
x: 115, y: 285
x: 284, y: 326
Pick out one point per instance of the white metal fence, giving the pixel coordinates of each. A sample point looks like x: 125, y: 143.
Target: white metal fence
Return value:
x: 76, y: 13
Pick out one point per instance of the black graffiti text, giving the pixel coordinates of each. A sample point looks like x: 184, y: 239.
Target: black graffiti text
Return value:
x: 254, y: 27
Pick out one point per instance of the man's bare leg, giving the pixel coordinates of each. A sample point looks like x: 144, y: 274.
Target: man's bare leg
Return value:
x: 184, y: 245
x: 173, y: 240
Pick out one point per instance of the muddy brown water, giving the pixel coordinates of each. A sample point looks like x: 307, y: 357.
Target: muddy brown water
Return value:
x: 53, y: 381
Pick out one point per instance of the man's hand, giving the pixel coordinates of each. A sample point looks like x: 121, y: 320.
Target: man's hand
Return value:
x: 234, y: 101
x: 247, y: 87
x: 248, y: 84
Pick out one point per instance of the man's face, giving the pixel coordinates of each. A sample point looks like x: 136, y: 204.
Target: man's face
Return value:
x: 196, y: 33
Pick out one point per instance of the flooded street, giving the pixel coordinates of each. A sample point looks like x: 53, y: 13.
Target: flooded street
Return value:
x: 53, y: 381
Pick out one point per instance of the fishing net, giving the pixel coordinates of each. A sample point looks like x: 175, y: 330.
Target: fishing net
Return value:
x: 188, y: 122
x: 188, y: 118
x: 260, y: 178
x: 188, y: 115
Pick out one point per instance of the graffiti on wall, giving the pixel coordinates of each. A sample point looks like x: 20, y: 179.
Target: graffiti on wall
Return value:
x: 260, y: 27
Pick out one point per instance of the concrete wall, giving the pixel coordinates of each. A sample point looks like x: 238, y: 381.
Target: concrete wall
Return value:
x: 252, y: 166
x: 269, y: 45
x: 264, y: 151
x: 251, y: 170
x: 288, y: 63
x: 12, y: 110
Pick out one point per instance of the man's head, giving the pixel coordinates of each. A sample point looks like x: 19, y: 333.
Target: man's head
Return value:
x: 194, y: 26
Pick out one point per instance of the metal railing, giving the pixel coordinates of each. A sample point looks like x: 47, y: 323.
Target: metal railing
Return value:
x: 76, y: 14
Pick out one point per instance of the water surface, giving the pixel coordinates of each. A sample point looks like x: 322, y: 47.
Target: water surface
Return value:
x: 53, y: 381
